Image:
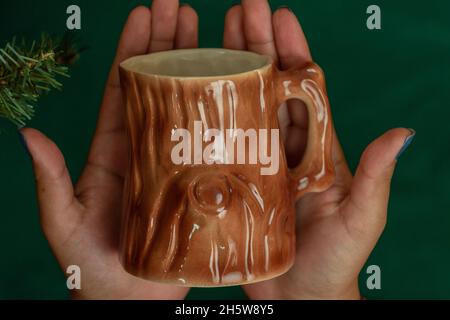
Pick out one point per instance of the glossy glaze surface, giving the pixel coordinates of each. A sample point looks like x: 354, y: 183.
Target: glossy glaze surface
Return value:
x: 221, y: 223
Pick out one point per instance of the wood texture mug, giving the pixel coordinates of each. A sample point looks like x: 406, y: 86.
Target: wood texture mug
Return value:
x: 205, y: 201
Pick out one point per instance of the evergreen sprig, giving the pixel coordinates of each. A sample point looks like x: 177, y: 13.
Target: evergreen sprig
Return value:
x: 28, y: 70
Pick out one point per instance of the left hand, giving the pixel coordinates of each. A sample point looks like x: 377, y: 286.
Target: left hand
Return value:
x: 81, y: 222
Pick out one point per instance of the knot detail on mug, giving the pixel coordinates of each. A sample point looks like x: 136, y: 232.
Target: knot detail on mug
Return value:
x: 210, y: 193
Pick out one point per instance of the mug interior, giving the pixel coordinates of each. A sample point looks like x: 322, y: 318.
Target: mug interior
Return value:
x: 196, y: 63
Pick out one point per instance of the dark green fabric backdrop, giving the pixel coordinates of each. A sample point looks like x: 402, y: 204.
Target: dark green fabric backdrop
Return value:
x: 398, y: 76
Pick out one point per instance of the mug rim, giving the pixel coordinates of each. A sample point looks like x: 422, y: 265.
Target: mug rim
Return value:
x: 127, y: 65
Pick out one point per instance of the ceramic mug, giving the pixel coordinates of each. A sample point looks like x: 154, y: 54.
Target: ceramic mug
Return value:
x: 205, y: 201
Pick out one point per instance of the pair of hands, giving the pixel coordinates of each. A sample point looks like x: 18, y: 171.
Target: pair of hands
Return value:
x: 337, y: 229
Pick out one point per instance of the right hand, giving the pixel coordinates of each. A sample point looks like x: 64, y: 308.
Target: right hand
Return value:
x: 336, y: 229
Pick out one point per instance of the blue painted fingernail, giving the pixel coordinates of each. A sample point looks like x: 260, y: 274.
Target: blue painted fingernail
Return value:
x: 407, y: 143
x: 23, y: 142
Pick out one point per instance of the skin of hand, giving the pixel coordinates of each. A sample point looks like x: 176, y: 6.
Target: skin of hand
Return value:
x: 81, y: 222
x: 336, y: 229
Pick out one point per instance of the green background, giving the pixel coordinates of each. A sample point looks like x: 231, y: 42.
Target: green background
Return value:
x: 397, y: 76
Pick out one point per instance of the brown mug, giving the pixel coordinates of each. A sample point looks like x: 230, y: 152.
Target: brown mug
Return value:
x: 205, y: 201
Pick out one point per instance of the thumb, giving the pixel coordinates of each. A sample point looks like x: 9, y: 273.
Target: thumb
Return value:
x: 53, y: 184
x: 370, y: 188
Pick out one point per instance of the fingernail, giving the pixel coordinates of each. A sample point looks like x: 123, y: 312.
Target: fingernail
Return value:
x: 407, y: 143
x: 23, y: 142
x: 284, y: 7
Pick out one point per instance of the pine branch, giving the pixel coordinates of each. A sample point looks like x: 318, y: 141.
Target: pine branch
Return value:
x: 29, y: 70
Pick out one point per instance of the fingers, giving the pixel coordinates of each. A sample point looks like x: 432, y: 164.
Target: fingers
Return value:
x: 291, y: 44
x: 258, y: 27
x: 233, y: 37
x: 133, y: 41
x: 187, y: 28
x: 53, y: 184
x: 293, y: 51
x: 164, y: 25
x: 370, y: 188
x: 295, y: 145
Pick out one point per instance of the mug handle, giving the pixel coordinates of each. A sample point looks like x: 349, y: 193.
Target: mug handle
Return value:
x: 315, y: 173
